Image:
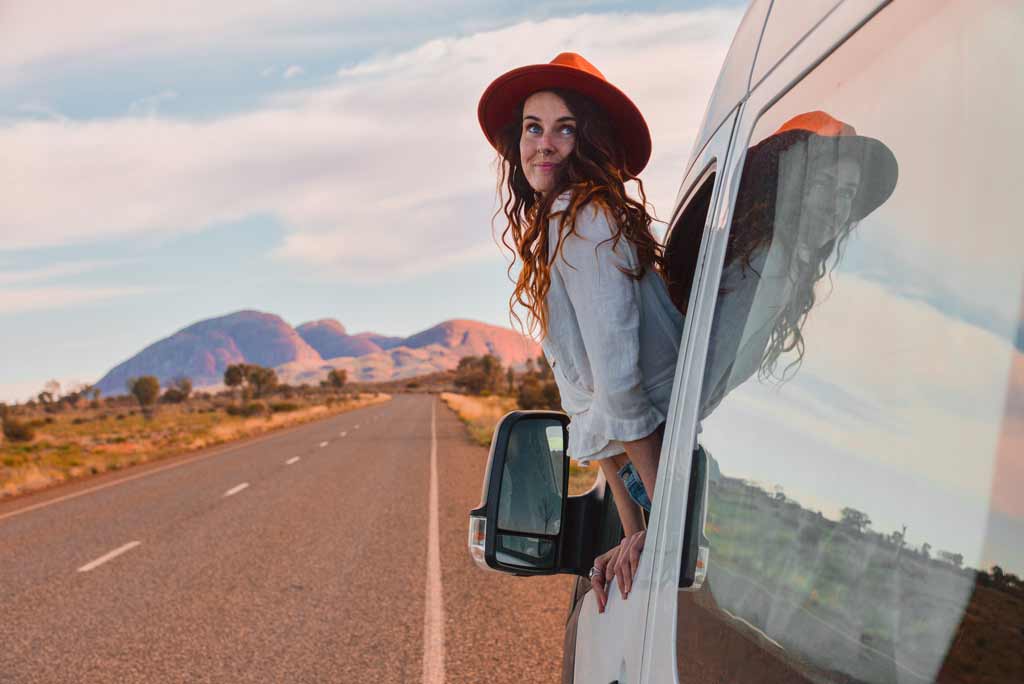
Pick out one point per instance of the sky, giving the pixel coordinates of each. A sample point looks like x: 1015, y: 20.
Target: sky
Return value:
x: 313, y: 161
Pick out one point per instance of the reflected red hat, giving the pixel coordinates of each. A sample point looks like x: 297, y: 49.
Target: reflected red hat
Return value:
x: 879, y: 168
x: 500, y: 102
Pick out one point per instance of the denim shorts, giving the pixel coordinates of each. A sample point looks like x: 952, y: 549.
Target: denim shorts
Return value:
x: 635, y: 486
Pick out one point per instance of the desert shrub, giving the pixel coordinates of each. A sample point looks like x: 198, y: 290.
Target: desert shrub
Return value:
x: 79, y: 421
x: 18, y: 431
x: 283, y: 406
x: 173, y: 396
x: 120, y: 416
x: 253, y: 408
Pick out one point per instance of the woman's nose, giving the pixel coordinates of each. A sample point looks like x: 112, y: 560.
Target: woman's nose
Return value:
x: 546, y: 146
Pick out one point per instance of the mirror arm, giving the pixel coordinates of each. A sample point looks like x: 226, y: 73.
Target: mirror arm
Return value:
x: 581, y: 530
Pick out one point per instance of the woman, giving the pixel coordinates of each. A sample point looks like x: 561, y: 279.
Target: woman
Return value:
x: 589, y: 277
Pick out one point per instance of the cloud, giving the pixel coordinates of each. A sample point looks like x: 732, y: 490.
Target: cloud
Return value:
x: 53, y: 271
x: 293, y: 71
x: 381, y: 174
x: 150, y: 105
x: 41, y: 33
x: 40, y: 298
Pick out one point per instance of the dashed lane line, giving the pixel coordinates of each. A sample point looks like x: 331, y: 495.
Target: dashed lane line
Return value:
x: 323, y: 444
x: 109, y: 556
x: 237, y: 488
x: 293, y: 459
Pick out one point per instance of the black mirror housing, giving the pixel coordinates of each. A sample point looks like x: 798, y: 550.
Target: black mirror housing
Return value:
x: 526, y: 523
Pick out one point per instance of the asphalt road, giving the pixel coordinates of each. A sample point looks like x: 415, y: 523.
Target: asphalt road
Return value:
x: 316, y: 570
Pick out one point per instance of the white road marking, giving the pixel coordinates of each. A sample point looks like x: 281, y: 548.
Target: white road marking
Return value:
x: 109, y: 556
x: 291, y: 460
x: 433, y: 621
x: 237, y: 488
x: 342, y: 434
x: 323, y: 444
x: 356, y: 427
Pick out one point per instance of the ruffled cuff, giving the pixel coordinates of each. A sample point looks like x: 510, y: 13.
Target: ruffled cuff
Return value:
x: 590, y: 432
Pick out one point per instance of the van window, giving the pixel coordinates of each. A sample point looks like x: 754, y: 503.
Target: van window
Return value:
x: 734, y: 81
x: 683, y: 247
x: 863, y: 392
x: 788, y: 23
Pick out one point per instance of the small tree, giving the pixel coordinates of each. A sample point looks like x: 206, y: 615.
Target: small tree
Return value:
x: 263, y: 380
x: 179, y: 390
x: 480, y: 374
x: 145, y: 390
x: 858, y: 520
x: 337, y: 378
x: 234, y: 376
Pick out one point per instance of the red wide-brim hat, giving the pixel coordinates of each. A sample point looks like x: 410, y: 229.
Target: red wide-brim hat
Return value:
x: 569, y: 71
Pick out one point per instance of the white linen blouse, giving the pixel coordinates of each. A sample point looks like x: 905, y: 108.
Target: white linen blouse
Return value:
x: 612, y: 340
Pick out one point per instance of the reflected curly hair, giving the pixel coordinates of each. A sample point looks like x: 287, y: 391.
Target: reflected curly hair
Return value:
x: 593, y: 173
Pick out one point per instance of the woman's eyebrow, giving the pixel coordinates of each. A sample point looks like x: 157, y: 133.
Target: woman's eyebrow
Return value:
x: 531, y: 117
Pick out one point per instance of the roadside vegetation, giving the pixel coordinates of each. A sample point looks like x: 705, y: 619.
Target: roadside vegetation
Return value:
x: 487, y: 391
x: 57, y: 437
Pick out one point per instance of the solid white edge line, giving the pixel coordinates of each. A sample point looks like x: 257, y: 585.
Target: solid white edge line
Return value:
x: 236, y: 489
x: 291, y: 460
x: 109, y: 556
x: 433, y: 621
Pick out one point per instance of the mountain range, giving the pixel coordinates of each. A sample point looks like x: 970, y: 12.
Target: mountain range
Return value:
x: 306, y: 353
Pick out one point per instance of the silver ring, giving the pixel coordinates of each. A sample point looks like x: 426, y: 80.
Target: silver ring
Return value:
x: 593, y: 571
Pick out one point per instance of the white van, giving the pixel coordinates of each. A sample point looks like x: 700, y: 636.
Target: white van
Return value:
x: 841, y: 489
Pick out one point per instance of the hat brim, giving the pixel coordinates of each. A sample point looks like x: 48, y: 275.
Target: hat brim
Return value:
x: 879, y: 173
x: 500, y: 102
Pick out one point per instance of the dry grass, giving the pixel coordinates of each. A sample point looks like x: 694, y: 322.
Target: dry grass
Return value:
x: 80, y: 443
x: 481, y: 415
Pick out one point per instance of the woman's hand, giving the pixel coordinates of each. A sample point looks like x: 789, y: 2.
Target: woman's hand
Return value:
x: 603, y: 577
x: 627, y: 561
x: 619, y: 563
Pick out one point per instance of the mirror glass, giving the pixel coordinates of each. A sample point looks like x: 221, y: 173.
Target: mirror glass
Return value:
x: 526, y: 552
x: 530, y: 499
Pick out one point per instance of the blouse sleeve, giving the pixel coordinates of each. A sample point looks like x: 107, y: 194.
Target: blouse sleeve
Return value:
x: 607, y: 306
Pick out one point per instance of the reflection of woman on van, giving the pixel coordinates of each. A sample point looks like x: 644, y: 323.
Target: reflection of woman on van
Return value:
x: 590, y: 280
x: 803, y: 190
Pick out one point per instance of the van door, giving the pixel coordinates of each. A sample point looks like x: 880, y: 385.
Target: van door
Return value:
x: 862, y: 397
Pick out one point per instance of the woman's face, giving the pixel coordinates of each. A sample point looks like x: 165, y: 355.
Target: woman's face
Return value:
x: 828, y: 199
x: 547, y: 138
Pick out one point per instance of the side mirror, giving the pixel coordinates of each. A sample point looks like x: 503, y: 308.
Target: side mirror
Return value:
x: 527, y: 524
x: 518, y: 527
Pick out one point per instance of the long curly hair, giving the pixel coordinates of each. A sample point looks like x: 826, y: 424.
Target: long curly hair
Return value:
x: 593, y: 173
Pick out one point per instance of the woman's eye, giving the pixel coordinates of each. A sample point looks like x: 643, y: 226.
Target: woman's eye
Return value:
x: 533, y: 128
x: 569, y: 130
